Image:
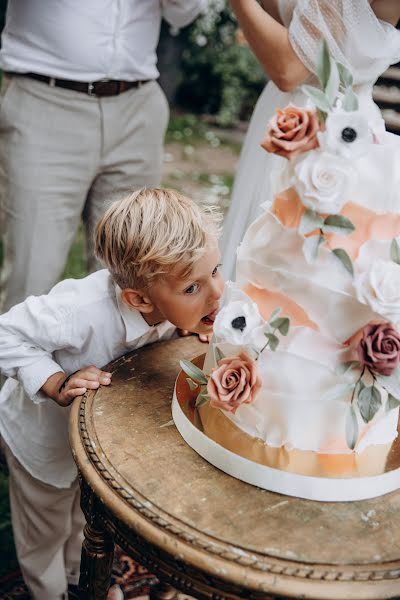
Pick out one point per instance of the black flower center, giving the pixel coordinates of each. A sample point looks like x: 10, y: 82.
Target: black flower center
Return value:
x: 349, y: 134
x: 239, y: 323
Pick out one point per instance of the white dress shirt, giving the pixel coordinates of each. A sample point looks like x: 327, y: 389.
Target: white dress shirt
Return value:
x: 81, y: 322
x: 88, y: 40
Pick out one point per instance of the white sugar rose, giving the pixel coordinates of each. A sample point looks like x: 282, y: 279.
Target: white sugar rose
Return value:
x: 323, y: 182
x: 379, y: 287
x: 346, y: 134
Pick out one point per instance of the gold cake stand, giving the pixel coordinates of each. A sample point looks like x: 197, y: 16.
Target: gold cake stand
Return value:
x: 307, y: 474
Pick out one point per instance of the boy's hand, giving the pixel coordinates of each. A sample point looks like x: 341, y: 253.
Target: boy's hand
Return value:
x: 202, y: 336
x: 63, y: 389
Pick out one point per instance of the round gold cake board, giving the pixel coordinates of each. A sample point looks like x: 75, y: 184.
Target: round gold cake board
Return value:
x: 310, y: 475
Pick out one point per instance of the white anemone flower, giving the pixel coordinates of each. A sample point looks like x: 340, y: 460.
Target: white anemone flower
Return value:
x: 347, y: 134
x: 239, y: 321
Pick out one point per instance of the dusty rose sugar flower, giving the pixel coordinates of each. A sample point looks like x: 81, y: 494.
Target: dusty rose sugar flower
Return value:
x: 291, y: 131
x: 234, y: 382
x: 379, y: 348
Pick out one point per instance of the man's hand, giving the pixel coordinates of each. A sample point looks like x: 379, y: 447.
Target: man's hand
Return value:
x: 63, y: 389
x: 203, y: 337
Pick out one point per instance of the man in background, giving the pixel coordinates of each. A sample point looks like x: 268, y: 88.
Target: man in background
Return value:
x: 81, y: 118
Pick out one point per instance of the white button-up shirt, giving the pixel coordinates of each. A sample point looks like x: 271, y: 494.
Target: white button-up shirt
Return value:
x: 79, y: 323
x: 88, y: 40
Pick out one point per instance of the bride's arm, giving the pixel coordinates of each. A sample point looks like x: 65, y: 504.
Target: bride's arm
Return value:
x: 269, y: 41
x: 272, y: 8
x: 387, y: 10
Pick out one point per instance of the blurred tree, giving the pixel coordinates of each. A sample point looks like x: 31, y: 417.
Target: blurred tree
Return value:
x: 218, y: 72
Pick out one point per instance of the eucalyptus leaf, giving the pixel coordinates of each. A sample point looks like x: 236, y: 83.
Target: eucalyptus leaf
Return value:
x: 273, y: 341
x: 323, y: 63
x: 345, y: 75
x: 274, y: 314
x: 318, y: 97
x: 390, y: 383
x: 218, y: 354
x: 360, y: 385
x: 194, y: 372
x: 392, y: 403
x: 344, y: 259
x: 395, y: 251
x: 332, y: 87
x: 347, y: 366
x: 338, y: 391
x: 351, y: 428
x: 310, y: 221
x: 369, y: 402
x: 202, y: 398
x: 311, y: 247
x: 338, y: 224
x: 350, y: 101
x: 192, y: 384
x: 282, y: 324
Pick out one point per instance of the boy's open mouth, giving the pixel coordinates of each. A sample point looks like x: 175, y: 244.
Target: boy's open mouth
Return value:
x: 210, y: 318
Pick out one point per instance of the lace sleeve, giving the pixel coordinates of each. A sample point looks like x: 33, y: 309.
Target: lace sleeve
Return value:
x: 356, y: 38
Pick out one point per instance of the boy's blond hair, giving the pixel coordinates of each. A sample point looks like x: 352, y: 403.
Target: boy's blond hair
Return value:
x: 151, y: 232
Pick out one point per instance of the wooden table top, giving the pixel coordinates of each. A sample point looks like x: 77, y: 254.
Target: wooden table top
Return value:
x: 135, y: 460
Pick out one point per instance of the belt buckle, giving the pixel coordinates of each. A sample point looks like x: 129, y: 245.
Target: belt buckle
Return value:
x: 90, y: 88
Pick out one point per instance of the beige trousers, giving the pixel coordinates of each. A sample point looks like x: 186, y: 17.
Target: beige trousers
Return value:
x: 63, y: 154
x: 48, y: 532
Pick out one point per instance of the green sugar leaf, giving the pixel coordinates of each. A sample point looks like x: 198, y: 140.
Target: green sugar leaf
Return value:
x: 332, y: 87
x: 194, y: 372
x: 202, y: 398
x: 192, y: 384
x: 395, y: 251
x: 323, y: 63
x: 392, y: 403
x: 310, y: 221
x: 274, y: 314
x: 344, y: 259
x: 369, y: 402
x: 346, y: 78
x: 282, y: 324
x: 219, y: 355
x: 350, y: 101
x: 351, y: 428
x: 311, y: 247
x: 338, y: 224
x: 318, y: 97
x: 273, y: 341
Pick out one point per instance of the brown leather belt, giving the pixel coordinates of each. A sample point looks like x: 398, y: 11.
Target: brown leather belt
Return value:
x: 101, y: 88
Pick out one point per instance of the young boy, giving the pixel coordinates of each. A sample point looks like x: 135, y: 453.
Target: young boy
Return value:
x: 161, y: 254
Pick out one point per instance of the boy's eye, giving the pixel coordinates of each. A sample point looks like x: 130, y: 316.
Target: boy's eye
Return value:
x: 192, y: 289
x: 216, y: 269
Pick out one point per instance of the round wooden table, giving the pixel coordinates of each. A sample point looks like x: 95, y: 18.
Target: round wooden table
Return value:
x: 202, y: 531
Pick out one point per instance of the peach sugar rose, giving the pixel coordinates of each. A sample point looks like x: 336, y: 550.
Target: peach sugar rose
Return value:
x: 291, y: 131
x: 234, y: 382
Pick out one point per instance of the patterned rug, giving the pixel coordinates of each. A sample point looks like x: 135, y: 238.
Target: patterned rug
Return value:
x: 134, y: 580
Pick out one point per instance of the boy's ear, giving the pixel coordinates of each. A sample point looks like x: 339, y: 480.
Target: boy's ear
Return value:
x: 137, y: 299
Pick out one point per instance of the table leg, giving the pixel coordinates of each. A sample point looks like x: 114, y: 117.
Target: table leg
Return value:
x: 163, y: 591
x: 97, y: 551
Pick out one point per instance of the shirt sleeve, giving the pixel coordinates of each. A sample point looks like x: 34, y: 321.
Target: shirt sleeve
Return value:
x: 179, y: 13
x: 30, y: 333
x: 356, y: 38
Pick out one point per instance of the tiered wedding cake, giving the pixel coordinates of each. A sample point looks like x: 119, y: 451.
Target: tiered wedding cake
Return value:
x: 300, y: 388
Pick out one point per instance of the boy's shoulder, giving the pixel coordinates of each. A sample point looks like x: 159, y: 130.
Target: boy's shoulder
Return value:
x: 81, y: 294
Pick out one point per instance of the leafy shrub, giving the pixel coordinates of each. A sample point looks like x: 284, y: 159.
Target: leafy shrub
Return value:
x: 220, y: 74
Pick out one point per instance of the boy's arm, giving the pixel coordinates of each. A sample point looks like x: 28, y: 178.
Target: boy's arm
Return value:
x: 30, y: 334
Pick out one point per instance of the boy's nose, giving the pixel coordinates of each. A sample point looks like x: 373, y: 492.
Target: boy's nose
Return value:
x: 217, y: 287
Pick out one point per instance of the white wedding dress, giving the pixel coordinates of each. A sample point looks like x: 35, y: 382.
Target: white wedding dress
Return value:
x: 357, y: 39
